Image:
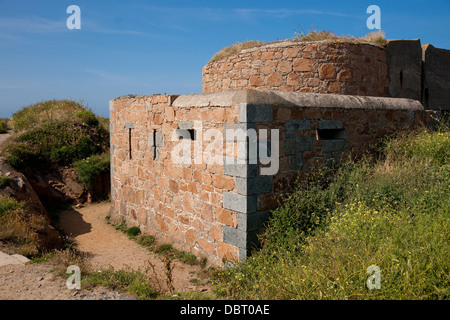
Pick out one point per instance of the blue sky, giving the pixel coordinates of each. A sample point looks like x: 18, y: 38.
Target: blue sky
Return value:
x: 147, y: 47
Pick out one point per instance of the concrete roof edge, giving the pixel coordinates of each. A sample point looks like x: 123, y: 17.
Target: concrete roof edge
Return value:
x: 215, y: 99
x: 300, y: 99
x: 293, y: 99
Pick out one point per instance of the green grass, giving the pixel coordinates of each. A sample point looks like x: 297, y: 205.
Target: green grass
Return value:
x: 132, y: 232
x: 143, y: 284
x: 392, y: 212
x: 59, y: 142
x: 424, y: 145
x: 19, y: 228
x: 62, y: 133
x: 137, y: 283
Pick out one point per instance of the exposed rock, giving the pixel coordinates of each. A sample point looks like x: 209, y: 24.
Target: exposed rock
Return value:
x: 20, y: 189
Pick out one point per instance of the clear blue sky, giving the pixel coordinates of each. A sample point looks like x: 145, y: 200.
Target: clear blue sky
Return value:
x: 146, y: 47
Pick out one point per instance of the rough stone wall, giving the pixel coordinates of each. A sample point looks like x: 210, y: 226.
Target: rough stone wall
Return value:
x: 436, y: 78
x: 216, y: 209
x: 338, y: 67
x: 405, y: 69
x: 177, y: 203
x: 419, y: 72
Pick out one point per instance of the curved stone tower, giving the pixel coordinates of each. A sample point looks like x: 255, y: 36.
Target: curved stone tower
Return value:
x: 329, y: 66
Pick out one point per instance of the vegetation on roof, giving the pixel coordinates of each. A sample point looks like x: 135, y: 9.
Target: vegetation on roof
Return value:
x: 236, y: 48
x: 301, y: 36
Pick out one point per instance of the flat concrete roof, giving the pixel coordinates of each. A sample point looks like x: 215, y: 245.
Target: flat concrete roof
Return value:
x: 294, y: 99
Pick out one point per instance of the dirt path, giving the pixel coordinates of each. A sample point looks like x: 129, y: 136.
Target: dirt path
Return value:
x: 37, y: 282
x: 110, y: 248
x: 106, y: 248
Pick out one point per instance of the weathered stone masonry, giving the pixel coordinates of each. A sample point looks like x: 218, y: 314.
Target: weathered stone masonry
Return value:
x: 404, y: 69
x: 216, y: 210
x: 318, y: 100
x: 315, y: 67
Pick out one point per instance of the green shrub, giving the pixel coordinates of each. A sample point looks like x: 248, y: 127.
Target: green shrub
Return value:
x: 61, y: 143
x: 89, y: 169
x: 20, y: 155
x: 57, y: 131
x: 187, y: 258
x: 66, y: 154
x: 133, y: 231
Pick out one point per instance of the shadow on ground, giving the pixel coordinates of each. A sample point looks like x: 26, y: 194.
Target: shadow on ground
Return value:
x: 72, y: 223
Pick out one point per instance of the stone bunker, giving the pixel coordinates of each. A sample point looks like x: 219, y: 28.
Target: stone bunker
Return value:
x: 202, y: 171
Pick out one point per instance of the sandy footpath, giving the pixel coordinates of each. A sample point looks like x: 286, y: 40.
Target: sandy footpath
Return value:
x: 106, y: 248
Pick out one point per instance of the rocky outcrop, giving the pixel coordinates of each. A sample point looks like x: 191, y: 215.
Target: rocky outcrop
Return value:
x: 55, y: 186
x: 20, y: 189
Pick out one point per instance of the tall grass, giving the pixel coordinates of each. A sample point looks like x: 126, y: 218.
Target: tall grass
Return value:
x: 311, y: 35
x: 19, y: 227
x: 320, y: 35
x: 393, y: 213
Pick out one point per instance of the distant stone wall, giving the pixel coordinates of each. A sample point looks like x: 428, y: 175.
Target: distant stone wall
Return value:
x: 419, y: 72
x: 338, y: 67
x: 436, y: 78
x: 404, y: 59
